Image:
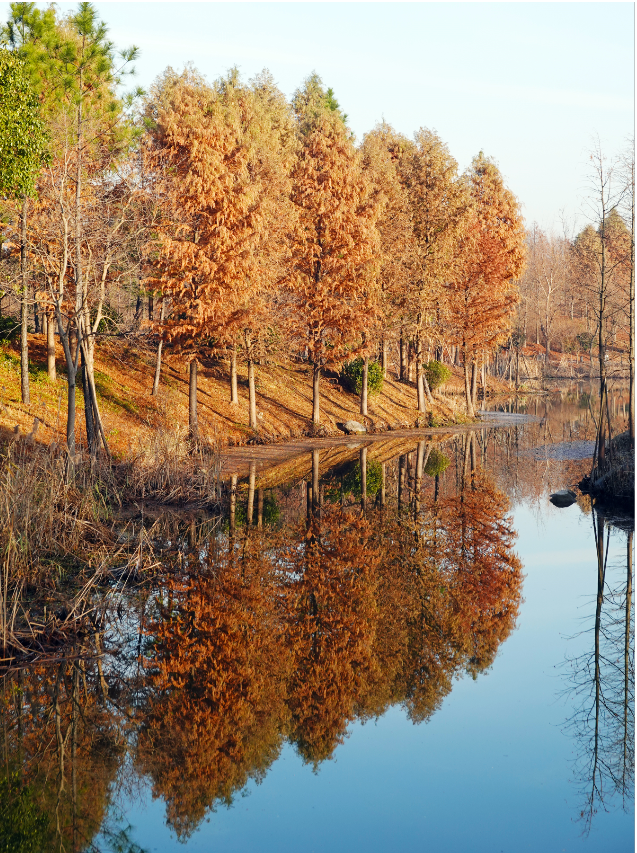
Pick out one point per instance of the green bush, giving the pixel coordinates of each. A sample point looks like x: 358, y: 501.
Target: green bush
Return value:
x: 436, y: 463
x: 352, y: 376
x: 9, y: 328
x: 352, y: 480
x: 437, y: 374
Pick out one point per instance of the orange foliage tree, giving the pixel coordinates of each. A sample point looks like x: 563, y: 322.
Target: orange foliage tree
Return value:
x: 333, y: 243
x: 216, y: 188
x: 332, y: 614
x: 481, y: 293
x: 214, y: 717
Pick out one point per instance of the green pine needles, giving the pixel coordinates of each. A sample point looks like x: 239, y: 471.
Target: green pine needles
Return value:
x: 22, y: 134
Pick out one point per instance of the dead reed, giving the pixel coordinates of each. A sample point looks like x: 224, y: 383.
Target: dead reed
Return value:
x: 170, y: 469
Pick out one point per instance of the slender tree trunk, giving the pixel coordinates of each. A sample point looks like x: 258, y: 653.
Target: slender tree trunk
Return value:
x: 364, y: 386
x: 316, y: 381
x: 252, y: 395
x: 402, y: 466
x: 36, y: 313
x: 403, y: 356
x: 193, y: 425
x: 316, y: 481
x: 474, y: 384
x: 234, y: 390
x: 88, y: 408
x: 251, y: 483
x: 50, y: 346
x: 162, y: 312
x: 363, y: 464
x: 259, y: 508
x: 233, y: 503
x: 24, y: 308
x: 383, y: 356
x: 382, y: 484
x: 467, y: 387
x: 420, y: 388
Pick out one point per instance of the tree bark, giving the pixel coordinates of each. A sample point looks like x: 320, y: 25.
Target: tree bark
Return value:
x: 24, y: 308
x: 474, y: 384
x: 251, y: 483
x: 316, y: 381
x: 193, y: 425
x: 160, y: 345
x: 252, y: 395
x: 50, y: 347
x: 364, y: 389
x: 403, y: 356
x: 88, y: 408
x: 383, y: 356
x: 315, y: 482
x: 420, y: 388
x: 363, y: 464
x: 234, y: 391
x: 233, y: 503
x: 467, y: 388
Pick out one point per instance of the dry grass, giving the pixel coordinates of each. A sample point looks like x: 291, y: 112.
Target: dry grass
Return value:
x: 131, y: 416
x: 53, y: 540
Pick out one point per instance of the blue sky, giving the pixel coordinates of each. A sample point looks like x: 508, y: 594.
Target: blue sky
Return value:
x: 531, y: 84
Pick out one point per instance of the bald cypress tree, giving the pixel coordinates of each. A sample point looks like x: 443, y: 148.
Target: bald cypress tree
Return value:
x: 334, y: 239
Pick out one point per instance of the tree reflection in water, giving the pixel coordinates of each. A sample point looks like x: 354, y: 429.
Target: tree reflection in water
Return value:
x: 602, y: 682
x: 265, y: 630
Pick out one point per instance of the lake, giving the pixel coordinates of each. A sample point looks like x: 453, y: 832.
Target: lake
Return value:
x: 389, y: 643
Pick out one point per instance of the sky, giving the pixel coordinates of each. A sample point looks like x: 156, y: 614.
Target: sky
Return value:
x: 533, y: 85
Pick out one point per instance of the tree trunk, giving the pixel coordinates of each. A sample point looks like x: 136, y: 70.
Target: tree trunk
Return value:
x: 403, y: 356
x: 251, y: 483
x: 234, y: 391
x: 50, y: 346
x: 36, y: 315
x: 193, y: 426
x: 316, y: 481
x: 420, y: 388
x: 24, y: 308
x: 474, y: 384
x: 160, y: 345
x: 363, y: 464
x: 252, y: 395
x: 382, y: 484
x: 383, y: 356
x: 233, y: 503
x: 88, y: 408
x: 364, y: 385
x: 467, y: 389
x: 316, y: 380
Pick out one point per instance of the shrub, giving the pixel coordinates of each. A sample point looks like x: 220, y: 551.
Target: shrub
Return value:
x: 352, y: 376
x: 437, y: 374
x: 436, y: 463
x: 352, y: 481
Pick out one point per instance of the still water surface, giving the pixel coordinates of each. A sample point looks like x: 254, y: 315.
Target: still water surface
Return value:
x: 399, y: 653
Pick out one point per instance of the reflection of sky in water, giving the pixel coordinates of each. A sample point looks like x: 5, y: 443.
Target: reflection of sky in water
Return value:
x: 491, y: 771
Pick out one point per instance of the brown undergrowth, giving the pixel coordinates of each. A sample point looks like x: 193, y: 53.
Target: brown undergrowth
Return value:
x: 58, y: 545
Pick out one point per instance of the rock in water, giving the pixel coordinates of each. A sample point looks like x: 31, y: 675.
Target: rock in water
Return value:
x: 352, y: 428
x: 563, y: 498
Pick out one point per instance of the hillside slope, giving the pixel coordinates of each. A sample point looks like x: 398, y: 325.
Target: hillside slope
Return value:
x: 132, y: 417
